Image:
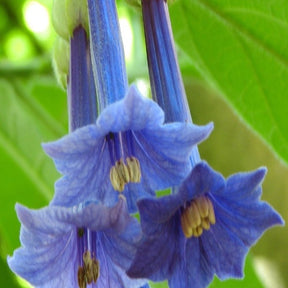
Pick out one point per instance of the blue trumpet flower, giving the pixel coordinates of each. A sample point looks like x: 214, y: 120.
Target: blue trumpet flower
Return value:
x: 77, y: 246
x: 128, y: 150
x: 206, y: 228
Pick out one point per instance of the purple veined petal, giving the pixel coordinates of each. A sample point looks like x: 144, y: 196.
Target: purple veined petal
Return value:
x: 248, y: 221
x: 193, y: 270
x: 220, y: 249
x: 156, y: 211
x: 158, y: 253
x: 134, y: 112
x: 224, y: 251
x: 50, y: 244
x: 201, y: 180
x: 244, y: 186
x: 47, y: 249
x: 165, y: 152
x: 86, y: 156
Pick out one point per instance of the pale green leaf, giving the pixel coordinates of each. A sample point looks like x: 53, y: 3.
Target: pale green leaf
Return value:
x: 241, y: 48
x: 27, y: 173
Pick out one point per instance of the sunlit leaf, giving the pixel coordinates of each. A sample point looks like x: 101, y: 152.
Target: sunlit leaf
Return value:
x: 240, y: 48
x: 27, y: 174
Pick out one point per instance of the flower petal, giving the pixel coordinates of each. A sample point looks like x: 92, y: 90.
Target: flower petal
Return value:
x: 202, y: 180
x: 162, y: 149
x: 192, y: 270
x: 156, y: 211
x: 157, y: 254
x: 224, y: 251
x: 248, y: 221
x: 113, y: 276
x: 48, y: 255
x: 133, y: 112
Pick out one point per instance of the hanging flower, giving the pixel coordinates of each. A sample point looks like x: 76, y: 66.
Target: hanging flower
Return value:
x: 128, y: 150
x: 74, y: 247
x: 205, y: 228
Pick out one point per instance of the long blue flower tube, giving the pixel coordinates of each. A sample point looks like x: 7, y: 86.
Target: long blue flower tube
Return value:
x: 128, y: 145
x: 208, y: 224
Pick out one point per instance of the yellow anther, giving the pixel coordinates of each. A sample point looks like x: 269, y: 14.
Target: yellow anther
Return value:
x: 89, y: 272
x: 88, y: 267
x: 81, y: 278
x: 116, y: 181
x: 198, y: 215
x: 194, y: 215
x: 202, y: 205
x: 95, y: 269
x: 134, y: 169
x: 205, y: 224
x: 197, y: 231
x: 121, y: 174
x: 187, y: 230
x: 122, y: 171
x: 211, y: 216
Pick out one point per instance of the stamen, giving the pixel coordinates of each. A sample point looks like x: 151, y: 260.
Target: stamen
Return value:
x: 95, y: 269
x: 121, y: 173
x: 81, y: 278
x: 133, y: 166
x: 88, y: 270
x: 198, y: 215
x: 186, y: 227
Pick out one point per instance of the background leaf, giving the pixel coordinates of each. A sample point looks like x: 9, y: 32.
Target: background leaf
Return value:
x: 24, y: 125
x: 9, y: 279
x: 240, y: 48
x: 209, y: 33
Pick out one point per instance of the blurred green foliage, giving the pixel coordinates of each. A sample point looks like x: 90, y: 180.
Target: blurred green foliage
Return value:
x: 33, y: 107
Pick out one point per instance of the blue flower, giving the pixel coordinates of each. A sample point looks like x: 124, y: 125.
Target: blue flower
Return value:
x: 85, y: 244
x: 128, y: 150
x: 206, y: 228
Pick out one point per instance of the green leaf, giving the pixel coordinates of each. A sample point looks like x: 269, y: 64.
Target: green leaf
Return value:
x: 7, y: 278
x: 240, y: 48
x: 27, y: 174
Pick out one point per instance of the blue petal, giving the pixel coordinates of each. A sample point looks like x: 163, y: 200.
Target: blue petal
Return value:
x: 224, y: 251
x: 244, y: 186
x: 192, y: 269
x: 121, y: 248
x: 48, y: 255
x: 157, y: 254
x: 200, y: 181
x: 248, y: 221
x: 49, y: 247
x: 157, y: 211
x: 241, y: 219
x: 96, y: 217
x: 83, y: 158
x: 133, y: 112
x: 113, y: 276
x: 162, y: 149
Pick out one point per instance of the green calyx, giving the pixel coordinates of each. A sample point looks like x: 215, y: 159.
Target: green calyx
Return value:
x: 69, y: 14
